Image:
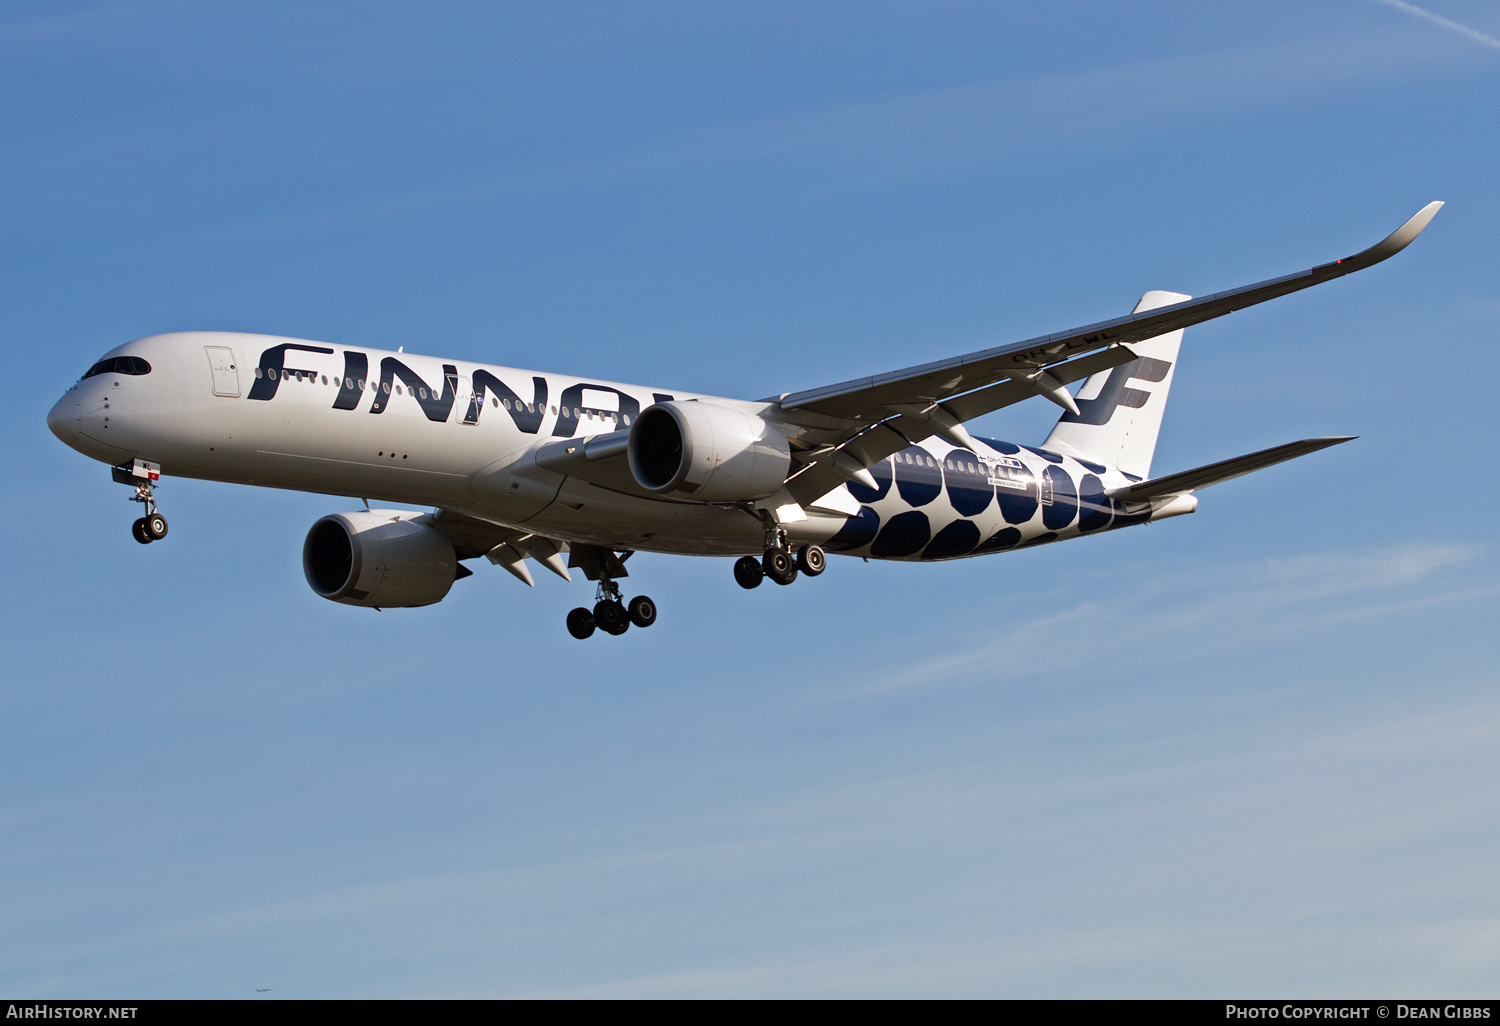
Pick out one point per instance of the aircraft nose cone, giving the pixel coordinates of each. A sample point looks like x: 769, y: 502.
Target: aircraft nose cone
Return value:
x: 63, y: 419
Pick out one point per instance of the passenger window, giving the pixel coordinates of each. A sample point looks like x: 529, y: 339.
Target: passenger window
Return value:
x: 422, y: 392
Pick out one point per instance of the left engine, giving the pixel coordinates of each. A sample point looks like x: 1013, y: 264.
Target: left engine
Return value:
x: 707, y: 453
x: 384, y: 558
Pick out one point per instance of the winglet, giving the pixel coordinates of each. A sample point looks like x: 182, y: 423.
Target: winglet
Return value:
x: 1397, y: 240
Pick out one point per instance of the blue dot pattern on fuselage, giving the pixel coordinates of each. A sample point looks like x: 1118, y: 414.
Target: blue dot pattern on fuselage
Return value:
x: 1058, y: 486
x: 957, y: 539
x: 882, y: 474
x: 903, y: 535
x: 968, y: 480
x: 857, y: 532
x: 964, y: 503
x: 1094, y: 509
x: 919, y: 479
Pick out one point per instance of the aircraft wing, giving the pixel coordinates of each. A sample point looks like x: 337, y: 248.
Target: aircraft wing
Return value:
x: 868, y: 399
x: 821, y: 474
x: 1224, y: 470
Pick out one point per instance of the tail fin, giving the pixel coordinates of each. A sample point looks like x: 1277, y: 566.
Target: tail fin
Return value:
x: 1119, y: 410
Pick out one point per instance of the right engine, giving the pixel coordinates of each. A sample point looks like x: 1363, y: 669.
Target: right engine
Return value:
x: 707, y: 453
x: 378, y: 558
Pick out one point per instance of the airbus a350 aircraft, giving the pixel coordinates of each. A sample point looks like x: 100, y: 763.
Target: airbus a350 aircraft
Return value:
x: 523, y: 465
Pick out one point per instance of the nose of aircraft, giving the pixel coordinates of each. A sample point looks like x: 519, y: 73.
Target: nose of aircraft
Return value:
x: 64, y: 418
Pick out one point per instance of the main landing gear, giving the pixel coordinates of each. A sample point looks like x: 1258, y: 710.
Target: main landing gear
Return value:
x: 778, y: 563
x: 153, y: 526
x: 609, y: 614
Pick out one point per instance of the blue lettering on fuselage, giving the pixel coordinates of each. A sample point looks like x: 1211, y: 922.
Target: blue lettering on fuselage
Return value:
x: 527, y: 416
x: 571, y: 402
x: 436, y: 409
x: 273, y: 368
x: 352, y: 386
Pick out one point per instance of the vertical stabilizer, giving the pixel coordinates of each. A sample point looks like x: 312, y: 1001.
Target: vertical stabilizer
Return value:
x: 1119, y: 410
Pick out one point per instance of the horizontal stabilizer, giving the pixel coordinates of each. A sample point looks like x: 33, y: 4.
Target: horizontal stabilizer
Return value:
x: 1202, y: 477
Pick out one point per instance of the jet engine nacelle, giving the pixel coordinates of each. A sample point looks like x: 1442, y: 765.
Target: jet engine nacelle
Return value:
x: 384, y: 557
x: 707, y: 453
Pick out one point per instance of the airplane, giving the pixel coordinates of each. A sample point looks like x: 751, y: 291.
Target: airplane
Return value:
x: 523, y: 466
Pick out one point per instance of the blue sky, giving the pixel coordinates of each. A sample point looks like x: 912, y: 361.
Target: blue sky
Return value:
x: 1252, y: 751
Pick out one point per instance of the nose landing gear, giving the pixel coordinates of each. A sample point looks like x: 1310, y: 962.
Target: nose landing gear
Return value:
x: 140, y: 475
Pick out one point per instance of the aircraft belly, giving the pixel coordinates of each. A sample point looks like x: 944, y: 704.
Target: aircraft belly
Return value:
x: 587, y: 514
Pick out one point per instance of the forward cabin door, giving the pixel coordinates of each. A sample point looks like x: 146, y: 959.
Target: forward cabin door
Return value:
x: 226, y: 378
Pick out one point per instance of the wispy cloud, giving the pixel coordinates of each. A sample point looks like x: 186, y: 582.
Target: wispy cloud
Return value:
x: 939, y: 131
x: 1438, y: 19
x: 1164, y: 618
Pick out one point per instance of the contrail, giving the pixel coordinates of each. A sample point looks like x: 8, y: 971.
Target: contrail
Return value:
x: 1438, y: 19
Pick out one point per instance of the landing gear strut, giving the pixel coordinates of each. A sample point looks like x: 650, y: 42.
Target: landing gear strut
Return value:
x: 778, y: 563
x: 610, y: 614
x: 153, y: 526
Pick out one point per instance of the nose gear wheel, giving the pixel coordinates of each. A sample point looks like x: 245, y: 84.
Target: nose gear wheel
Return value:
x: 153, y: 526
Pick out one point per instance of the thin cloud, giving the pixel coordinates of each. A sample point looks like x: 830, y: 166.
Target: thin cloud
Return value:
x: 1167, y: 615
x: 939, y: 131
x: 1438, y: 19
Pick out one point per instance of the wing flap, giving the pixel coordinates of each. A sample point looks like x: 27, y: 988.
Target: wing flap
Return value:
x: 874, y: 445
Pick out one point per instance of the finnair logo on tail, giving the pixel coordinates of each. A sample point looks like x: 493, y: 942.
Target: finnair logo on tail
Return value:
x: 1115, y: 392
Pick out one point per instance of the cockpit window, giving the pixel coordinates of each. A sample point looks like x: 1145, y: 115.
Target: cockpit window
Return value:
x: 120, y: 365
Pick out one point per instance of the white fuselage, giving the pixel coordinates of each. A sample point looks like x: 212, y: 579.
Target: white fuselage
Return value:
x: 418, y: 430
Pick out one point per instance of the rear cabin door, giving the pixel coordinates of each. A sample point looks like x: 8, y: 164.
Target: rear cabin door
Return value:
x: 226, y: 378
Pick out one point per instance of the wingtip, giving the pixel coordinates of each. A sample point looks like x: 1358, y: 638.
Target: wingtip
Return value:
x: 1421, y: 218
x: 1397, y: 240
x: 1332, y: 439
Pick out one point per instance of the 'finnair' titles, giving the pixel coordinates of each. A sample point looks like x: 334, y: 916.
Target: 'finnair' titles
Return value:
x: 524, y: 467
